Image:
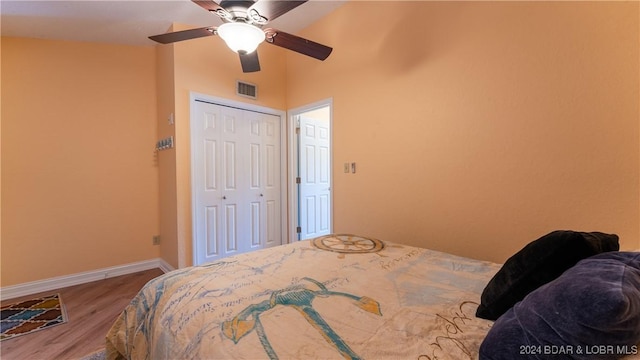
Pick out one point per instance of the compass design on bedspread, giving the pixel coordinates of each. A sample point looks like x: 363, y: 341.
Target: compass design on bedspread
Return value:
x: 348, y: 244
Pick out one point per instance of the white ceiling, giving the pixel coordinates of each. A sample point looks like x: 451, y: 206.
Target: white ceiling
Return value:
x: 129, y: 21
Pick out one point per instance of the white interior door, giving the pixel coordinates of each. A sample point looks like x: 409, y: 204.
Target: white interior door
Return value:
x: 264, y: 187
x: 236, y: 181
x: 315, y: 173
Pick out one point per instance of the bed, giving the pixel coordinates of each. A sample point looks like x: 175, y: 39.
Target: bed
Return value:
x: 337, y: 296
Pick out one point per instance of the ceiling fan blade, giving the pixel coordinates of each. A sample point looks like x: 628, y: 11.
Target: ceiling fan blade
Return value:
x: 267, y: 10
x: 298, y: 44
x: 183, y: 35
x: 250, y: 62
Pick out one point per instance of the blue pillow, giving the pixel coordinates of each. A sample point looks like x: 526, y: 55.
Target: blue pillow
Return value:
x: 539, y: 262
x: 592, y: 311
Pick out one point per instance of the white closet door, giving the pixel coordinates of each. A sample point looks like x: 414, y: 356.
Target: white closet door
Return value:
x: 236, y: 181
x: 270, y: 192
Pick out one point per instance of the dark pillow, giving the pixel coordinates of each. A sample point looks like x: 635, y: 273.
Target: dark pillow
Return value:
x: 592, y: 311
x: 538, y: 263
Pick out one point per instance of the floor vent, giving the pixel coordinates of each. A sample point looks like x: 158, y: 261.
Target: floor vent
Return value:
x: 246, y: 89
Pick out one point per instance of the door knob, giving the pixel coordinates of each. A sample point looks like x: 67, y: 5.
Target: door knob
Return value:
x: 224, y: 198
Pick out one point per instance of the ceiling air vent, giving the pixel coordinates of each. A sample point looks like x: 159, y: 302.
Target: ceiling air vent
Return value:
x: 246, y: 89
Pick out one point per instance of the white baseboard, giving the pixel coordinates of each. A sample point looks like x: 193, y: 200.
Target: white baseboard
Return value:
x: 33, y: 287
x: 165, y: 266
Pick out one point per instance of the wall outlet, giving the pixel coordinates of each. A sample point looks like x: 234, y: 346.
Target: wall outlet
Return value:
x: 156, y: 240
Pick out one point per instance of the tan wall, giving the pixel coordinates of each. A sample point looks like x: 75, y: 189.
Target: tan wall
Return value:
x: 167, y: 197
x: 0, y: 161
x: 79, y: 178
x: 207, y: 66
x: 479, y: 126
x: 505, y: 121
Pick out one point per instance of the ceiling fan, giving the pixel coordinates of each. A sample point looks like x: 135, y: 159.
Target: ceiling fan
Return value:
x: 242, y: 29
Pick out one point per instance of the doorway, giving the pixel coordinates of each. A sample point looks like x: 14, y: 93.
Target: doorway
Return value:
x: 311, y: 197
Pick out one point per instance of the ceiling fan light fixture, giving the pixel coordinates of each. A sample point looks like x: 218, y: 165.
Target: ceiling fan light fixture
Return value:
x: 241, y: 37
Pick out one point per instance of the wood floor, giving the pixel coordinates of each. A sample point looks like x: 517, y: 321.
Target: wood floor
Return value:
x: 91, y: 309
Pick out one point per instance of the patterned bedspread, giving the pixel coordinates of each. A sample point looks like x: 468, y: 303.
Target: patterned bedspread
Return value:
x: 333, y: 297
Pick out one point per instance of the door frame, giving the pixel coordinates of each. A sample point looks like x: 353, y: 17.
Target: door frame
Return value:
x: 292, y: 150
x: 195, y: 96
